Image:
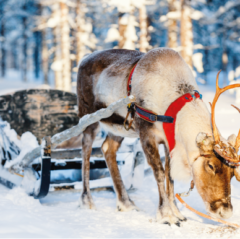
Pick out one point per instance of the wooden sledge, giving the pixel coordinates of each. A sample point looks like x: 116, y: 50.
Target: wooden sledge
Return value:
x: 51, y: 115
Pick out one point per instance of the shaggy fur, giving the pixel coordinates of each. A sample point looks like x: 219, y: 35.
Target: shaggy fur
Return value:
x: 160, y: 77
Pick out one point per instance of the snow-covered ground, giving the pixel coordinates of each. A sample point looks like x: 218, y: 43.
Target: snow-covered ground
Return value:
x: 58, y: 215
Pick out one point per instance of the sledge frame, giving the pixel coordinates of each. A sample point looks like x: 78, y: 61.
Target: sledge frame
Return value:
x: 46, y: 150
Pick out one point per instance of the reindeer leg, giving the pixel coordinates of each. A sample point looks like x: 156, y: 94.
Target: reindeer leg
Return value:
x: 165, y: 214
x: 170, y: 188
x: 89, y: 135
x: 109, y: 148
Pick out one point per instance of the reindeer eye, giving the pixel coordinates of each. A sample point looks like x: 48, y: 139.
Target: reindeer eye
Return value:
x: 210, y: 166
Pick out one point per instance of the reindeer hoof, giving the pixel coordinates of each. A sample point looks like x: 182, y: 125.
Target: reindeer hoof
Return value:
x: 126, y: 206
x: 167, y: 223
x: 171, y: 223
x: 86, y: 202
x: 183, y: 219
x: 178, y: 224
x: 165, y: 216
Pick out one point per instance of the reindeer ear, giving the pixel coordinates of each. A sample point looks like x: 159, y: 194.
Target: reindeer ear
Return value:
x: 232, y: 139
x: 205, y: 143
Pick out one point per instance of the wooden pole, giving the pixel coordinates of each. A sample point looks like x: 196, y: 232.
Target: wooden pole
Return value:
x: 84, y: 122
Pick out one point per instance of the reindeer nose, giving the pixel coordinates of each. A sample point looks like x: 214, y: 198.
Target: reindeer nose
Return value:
x: 225, y: 210
x: 221, y: 209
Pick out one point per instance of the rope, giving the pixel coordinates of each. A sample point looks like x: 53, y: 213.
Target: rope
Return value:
x: 19, y: 175
x: 204, y: 215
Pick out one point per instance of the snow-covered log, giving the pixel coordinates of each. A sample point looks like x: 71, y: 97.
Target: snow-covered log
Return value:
x: 84, y: 122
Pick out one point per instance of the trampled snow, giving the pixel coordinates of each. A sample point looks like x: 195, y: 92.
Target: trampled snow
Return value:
x: 58, y: 215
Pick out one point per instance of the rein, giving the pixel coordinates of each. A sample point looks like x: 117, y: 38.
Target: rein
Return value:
x: 178, y: 196
x: 186, y: 194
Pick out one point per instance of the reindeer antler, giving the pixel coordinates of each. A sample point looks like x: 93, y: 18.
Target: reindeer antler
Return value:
x: 236, y: 108
x: 219, y: 91
x: 216, y: 135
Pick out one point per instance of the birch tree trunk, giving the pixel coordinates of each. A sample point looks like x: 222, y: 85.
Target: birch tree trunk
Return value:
x: 44, y: 56
x: 44, y: 50
x: 186, y: 32
x: 143, y: 42
x: 172, y: 26
x: 37, y: 47
x: 24, y: 62
x: 3, y: 51
x: 127, y: 30
x: 37, y: 38
x: 57, y: 44
x: 122, y: 23
x: 65, y: 47
x: 80, y: 31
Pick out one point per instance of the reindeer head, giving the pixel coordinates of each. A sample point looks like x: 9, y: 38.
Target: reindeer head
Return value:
x: 217, y: 164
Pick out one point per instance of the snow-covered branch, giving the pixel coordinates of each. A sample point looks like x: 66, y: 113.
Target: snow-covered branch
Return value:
x: 84, y: 122
x: 223, y: 9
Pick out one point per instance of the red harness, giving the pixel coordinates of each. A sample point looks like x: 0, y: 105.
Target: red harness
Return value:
x: 169, y: 119
x: 172, y: 111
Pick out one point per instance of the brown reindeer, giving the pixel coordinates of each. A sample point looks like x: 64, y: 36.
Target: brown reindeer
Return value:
x: 161, y: 77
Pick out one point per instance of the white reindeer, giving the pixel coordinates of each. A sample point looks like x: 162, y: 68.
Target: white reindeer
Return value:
x: 160, y: 78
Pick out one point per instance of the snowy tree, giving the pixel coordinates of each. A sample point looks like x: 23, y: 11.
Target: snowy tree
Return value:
x: 45, y: 57
x: 56, y: 66
x: 85, y: 39
x: 127, y: 31
x: 173, y: 16
x: 127, y: 22
x: 186, y: 33
x: 143, y: 39
x: 20, y: 45
x: 2, y: 38
x: 80, y: 33
x: 34, y: 37
x: 65, y: 47
x: 221, y: 29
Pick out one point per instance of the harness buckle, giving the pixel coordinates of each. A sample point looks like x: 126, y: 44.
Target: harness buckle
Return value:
x: 130, y: 108
x: 198, y: 95
x: 153, y: 117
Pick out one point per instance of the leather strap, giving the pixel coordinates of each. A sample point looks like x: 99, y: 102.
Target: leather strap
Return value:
x: 152, y: 117
x: 143, y: 113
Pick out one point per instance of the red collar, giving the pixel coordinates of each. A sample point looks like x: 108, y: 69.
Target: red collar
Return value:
x: 129, y: 83
x: 172, y: 111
